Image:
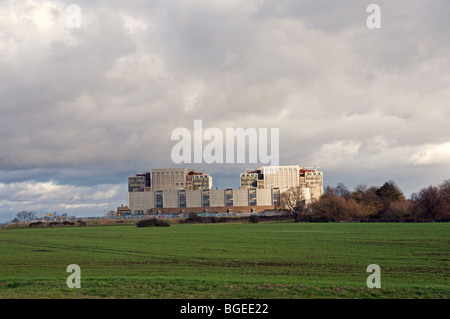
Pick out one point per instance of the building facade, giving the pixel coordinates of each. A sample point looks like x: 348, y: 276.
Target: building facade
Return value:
x: 195, y: 181
x: 181, y: 190
x: 169, y: 179
x: 209, y: 200
x: 285, y: 177
x: 312, y: 179
x: 139, y: 182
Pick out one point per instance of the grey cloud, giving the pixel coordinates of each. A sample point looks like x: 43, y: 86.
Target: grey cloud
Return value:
x: 90, y: 106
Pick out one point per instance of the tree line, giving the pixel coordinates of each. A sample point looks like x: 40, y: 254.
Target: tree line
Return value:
x: 369, y: 203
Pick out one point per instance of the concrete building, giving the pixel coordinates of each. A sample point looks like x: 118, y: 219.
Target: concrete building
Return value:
x: 180, y: 190
x: 169, y: 179
x: 139, y: 182
x: 312, y: 179
x: 122, y: 211
x: 252, y: 179
x: 285, y: 177
x: 185, y: 201
x: 195, y: 181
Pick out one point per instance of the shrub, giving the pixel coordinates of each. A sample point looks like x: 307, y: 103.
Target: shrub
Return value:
x: 51, y: 224
x: 213, y: 220
x: 194, y: 218
x: 81, y: 223
x: 153, y: 222
x: 253, y: 219
x: 36, y: 224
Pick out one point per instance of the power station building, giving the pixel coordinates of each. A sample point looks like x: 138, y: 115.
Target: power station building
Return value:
x: 181, y: 190
x: 206, y: 200
x: 169, y: 179
x: 285, y: 177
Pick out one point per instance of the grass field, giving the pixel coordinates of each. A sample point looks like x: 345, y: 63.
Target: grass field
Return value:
x: 265, y: 260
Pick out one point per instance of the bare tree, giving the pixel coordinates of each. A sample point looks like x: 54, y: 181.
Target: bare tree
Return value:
x: 398, y: 210
x: 25, y: 216
x: 428, y: 202
x: 444, y: 190
x: 293, y: 202
x: 110, y: 214
x: 342, y: 190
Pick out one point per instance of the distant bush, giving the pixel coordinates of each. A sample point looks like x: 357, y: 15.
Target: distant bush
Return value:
x: 194, y: 218
x: 36, y: 224
x: 51, y: 224
x: 213, y: 219
x: 63, y: 223
x: 153, y: 222
x: 253, y: 219
x: 319, y: 219
x: 81, y: 223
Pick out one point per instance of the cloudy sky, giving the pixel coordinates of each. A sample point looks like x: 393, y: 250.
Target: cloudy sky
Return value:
x: 83, y: 108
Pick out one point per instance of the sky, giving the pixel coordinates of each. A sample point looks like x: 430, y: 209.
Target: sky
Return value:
x: 82, y: 108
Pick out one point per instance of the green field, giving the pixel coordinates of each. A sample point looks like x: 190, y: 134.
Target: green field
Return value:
x: 264, y: 260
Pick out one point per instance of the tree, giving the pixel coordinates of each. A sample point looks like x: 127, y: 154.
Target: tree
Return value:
x: 444, y: 190
x: 358, y: 193
x: 25, y: 216
x: 391, y: 192
x: 293, y: 201
x: 367, y: 199
x: 342, y: 190
x: 330, y: 206
x: 388, y: 194
x: 370, y: 198
x: 428, y: 202
x: 398, y: 210
x: 111, y: 213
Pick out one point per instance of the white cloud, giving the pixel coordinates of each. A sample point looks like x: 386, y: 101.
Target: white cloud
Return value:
x: 50, y: 196
x: 338, y: 153
x: 134, y: 25
x: 432, y: 154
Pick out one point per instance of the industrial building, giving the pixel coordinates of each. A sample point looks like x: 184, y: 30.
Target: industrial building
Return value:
x: 206, y: 200
x: 284, y: 177
x: 169, y: 179
x: 182, y: 190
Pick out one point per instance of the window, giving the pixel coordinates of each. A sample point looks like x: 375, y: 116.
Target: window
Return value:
x: 182, y: 198
x: 205, y: 198
x: 252, y: 197
x: 159, y: 199
x: 275, y: 196
x: 229, y: 197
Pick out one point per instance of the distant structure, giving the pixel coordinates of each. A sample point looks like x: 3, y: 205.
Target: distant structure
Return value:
x: 169, y: 179
x: 284, y: 177
x: 123, y: 211
x: 182, y: 190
